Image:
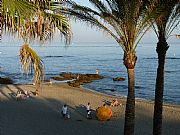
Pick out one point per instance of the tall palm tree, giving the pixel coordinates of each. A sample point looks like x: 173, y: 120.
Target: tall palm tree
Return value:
x: 126, y: 21
x: 32, y: 19
x: 164, y: 25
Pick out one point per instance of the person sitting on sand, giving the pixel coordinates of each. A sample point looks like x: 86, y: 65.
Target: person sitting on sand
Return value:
x: 50, y: 82
x: 18, y: 95
x: 26, y: 93
x: 115, y: 103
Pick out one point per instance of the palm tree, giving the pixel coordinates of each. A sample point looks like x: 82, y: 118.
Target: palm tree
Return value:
x: 126, y: 21
x: 32, y: 19
x: 166, y: 22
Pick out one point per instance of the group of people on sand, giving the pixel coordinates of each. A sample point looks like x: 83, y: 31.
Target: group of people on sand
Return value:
x: 21, y: 95
x: 25, y: 94
x: 115, y: 103
x: 66, y: 115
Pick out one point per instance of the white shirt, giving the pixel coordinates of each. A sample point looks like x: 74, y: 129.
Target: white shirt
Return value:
x: 64, y: 110
x: 88, y: 107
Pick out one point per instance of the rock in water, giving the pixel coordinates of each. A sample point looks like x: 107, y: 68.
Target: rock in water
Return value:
x: 77, y: 79
x: 6, y: 80
x: 118, y: 79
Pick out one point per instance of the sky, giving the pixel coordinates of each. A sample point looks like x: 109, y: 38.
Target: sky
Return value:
x: 82, y: 33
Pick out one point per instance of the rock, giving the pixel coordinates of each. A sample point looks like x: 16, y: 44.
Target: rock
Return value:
x: 79, y: 78
x: 74, y: 83
x: 112, y: 90
x: 6, y: 80
x: 67, y: 76
x: 58, y: 78
x: 118, y: 79
x: 84, y: 78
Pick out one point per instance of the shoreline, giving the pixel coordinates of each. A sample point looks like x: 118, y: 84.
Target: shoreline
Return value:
x: 165, y: 103
x: 137, y: 99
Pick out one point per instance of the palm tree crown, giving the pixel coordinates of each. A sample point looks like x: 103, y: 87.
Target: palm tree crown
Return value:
x: 122, y: 19
x: 168, y: 19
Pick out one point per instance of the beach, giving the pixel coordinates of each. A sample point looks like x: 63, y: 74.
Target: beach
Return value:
x: 40, y: 115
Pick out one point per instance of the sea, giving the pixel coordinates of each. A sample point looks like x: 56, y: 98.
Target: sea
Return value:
x: 85, y: 58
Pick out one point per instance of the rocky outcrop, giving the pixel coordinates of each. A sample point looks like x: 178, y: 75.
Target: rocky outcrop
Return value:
x: 65, y: 76
x: 118, y: 79
x: 6, y: 80
x: 84, y: 78
x: 77, y: 79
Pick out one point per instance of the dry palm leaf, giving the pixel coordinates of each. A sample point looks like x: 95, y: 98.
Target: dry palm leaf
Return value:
x: 28, y: 56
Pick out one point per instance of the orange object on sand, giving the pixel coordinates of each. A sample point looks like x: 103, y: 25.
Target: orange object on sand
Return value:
x: 103, y: 113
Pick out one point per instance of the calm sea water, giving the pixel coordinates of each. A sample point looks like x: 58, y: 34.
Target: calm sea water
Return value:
x: 86, y: 58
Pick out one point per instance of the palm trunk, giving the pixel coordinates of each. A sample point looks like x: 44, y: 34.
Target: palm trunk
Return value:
x: 129, y: 62
x: 161, y: 50
x: 130, y: 105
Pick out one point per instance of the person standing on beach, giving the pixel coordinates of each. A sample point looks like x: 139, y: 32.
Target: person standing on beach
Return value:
x: 64, y: 111
x: 97, y: 71
x: 88, y: 109
x: 37, y: 92
x: 78, y: 76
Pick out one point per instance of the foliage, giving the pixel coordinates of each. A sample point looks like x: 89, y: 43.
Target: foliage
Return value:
x: 33, y: 19
x: 126, y: 21
x: 168, y: 18
x: 28, y: 56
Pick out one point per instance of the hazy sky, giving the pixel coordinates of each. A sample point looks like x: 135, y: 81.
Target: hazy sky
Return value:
x: 83, y: 33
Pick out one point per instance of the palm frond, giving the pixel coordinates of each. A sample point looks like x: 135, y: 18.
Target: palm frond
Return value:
x: 43, y: 24
x: 14, y: 13
x: 62, y: 24
x: 126, y: 21
x: 173, y: 20
x: 99, y: 6
x: 168, y: 19
x: 28, y: 56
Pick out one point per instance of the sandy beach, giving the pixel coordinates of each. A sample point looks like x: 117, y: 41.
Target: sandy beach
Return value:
x: 40, y: 115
